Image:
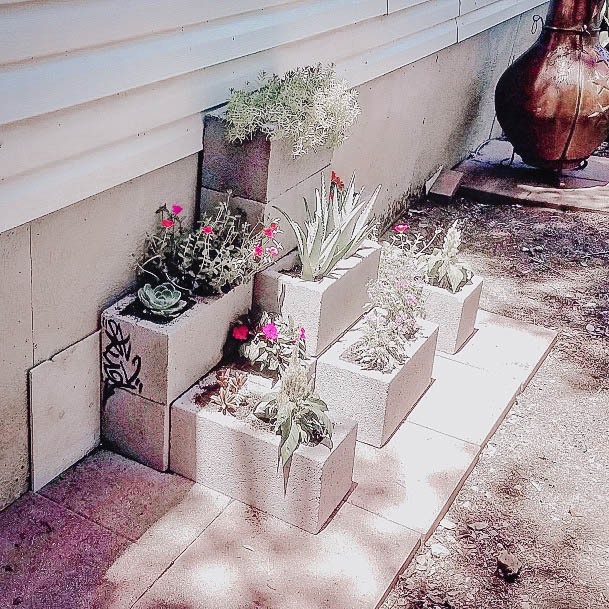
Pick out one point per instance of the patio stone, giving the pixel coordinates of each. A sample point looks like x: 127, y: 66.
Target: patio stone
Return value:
x: 64, y: 397
x: 117, y: 493
x: 465, y: 402
x: 247, y: 559
x: 506, y: 346
x: 413, y: 478
x: 50, y: 557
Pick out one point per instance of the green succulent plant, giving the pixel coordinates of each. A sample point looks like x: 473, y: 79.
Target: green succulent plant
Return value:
x: 162, y: 300
x: 334, y: 229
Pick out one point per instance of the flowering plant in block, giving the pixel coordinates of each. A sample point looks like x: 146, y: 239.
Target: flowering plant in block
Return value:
x: 295, y: 412
x: 391, y: 321
x: 334, y: 229
x: 267, y: 343
x: 221, y: 252
x: 308, y: 106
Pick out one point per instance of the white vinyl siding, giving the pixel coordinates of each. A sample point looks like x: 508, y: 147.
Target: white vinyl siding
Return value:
x: 96, y: 92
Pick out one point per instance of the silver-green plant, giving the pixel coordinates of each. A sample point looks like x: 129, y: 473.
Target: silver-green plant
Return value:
x: 308, y: 106
x: 296, y: 413
x: 333, y: 230
x: 162, y: 300
x: 393, y: 312
x: 442, y: 268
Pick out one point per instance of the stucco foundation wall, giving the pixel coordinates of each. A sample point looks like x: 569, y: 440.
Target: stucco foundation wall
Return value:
x: 56, y: 276
x: 431, y: 112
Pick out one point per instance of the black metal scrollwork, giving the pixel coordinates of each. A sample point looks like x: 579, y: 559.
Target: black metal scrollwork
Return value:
x: 120, y: 370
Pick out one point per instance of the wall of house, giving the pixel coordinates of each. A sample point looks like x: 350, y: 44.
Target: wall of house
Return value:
x: 99, y: 128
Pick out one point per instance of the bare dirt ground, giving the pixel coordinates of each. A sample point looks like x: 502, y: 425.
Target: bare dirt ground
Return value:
x: 541, y: 488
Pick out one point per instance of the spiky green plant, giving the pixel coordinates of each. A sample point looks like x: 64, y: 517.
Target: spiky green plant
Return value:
x: 442, y: 267
x: 333, y: 230
x: 297, y: 414
x: 163, y: 300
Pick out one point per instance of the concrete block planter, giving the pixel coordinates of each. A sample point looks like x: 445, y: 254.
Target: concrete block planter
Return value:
x: 324, y: 308
x: 238, y: 457
x: 378, y: 401
x: 454, y: 313
x: 160, y: 361
x: 257, y: 169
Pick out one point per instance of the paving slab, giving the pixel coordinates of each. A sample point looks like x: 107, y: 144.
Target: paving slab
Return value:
x: 247, y: 559
x: 465, y: 402
x: 506, y: 346
x: 117, y: 493
x: 413, y: 478
x: 50, y: 557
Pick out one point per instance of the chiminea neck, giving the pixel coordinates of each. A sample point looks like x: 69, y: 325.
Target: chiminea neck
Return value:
x: 574, y: 14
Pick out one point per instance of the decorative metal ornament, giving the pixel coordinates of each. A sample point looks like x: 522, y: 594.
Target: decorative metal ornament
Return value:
x: 553, y: 101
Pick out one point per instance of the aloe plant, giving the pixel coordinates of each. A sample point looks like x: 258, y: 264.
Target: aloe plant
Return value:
x: 163, y: 300
x: 334, y: 229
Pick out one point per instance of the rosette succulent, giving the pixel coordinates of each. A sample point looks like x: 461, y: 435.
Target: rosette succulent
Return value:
x: 162, y: 300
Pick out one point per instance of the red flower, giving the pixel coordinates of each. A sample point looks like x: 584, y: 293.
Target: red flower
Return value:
x: 176, y: 209
x: 167, y: 223
x: 336, y: 180
x: 241, y: 332
x: 258, y: 251
x: 401, y: 228
x: 269, y: 232
x: 274, y: 226
x: 208, y: 230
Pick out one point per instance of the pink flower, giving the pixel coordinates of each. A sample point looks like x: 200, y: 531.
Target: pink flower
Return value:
x: 401, y: 228
x: 241, y: 332
x: 303, y: 336
x: 258, y: 251
x: 270, y: 331
x: 273, y: 251
x: 167, y: 223
x: 208, y: 230
x: 269, y: 232
x: 176, y: 209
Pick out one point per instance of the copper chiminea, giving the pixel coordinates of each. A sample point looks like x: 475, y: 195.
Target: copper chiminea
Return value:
x: 553, y: 102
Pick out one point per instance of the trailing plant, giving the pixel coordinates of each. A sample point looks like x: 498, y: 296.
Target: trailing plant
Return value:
x: 308, y: 106
x: 296, y: 413
x: 163, y: 300
x: 334, y: 229
x: 442, y: 267
x: 391, y: 321
x: 220, y: 253
x: 268, y: 344
x: 228, y: 397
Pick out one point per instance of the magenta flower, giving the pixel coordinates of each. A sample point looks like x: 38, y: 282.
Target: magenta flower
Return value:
x: 258, y: 251
x: 208, y: 230
x: 269, y: 232
x: 176, y: 209
x: 241, y: 332
x: 273, y: 251
x: 167, y: 223
x: 303, y: 336
x: 401, y: 228
x: 270, y: 331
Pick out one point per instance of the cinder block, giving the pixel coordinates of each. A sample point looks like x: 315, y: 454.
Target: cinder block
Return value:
x: 324, y: 308
x: 240, y: 458
x: 378, y: 401
x: 290, y: 202
x: 258, y: 169
x: 160, y: 361
x: 454, y: 313
x: 64, y: 399
x: 137, y: 428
